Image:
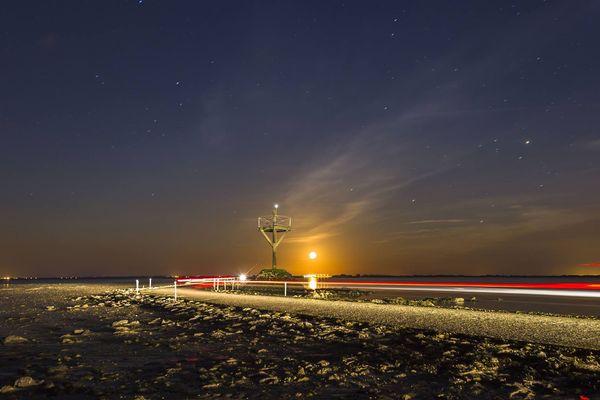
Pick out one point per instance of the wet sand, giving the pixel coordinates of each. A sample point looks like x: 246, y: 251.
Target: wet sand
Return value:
x: 78, y: 342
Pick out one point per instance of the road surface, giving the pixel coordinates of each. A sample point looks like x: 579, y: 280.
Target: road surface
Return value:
x: 580, y: 298
x: 564, y: 331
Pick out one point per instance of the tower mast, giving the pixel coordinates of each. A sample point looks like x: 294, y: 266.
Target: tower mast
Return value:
x: 274, y: 224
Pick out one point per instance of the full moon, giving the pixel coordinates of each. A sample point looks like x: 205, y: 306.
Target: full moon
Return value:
x: 312, y: 255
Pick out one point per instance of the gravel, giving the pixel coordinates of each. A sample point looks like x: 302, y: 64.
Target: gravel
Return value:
x: 563, y: 331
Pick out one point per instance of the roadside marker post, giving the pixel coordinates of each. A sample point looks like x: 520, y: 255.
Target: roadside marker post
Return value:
x: 137, y: 285
x: 175, y: 289
x: 285, y: 289
x: 149, y: 283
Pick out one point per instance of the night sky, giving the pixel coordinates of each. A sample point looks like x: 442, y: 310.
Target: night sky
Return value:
x: 402, y: 137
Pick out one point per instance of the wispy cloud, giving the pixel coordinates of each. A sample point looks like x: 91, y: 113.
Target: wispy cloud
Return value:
x: 351, y: 181
x: 329, y: 227
x: 593, y: 145
x: 436, y: 221
x: 356, y: 180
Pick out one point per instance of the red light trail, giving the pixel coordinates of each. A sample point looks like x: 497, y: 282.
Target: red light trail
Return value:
x: 574, y: 289
x: 553, y: 286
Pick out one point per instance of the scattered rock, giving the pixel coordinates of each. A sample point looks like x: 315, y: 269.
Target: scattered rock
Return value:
x: 334, y: 377
x: 215, y: 385
x: 269, y: 380
x: 13, y: 339
x: 7, y: 389
x: 326, y: 356
x: 26, y: 381
x: 58, y: 370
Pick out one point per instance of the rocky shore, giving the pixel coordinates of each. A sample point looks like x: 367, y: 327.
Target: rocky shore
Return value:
x: 84, y: 342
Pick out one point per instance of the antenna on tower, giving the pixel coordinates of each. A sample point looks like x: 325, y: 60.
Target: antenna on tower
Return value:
x: 274, y: 227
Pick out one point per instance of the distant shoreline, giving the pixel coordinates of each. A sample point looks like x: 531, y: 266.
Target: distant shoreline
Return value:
x: 300, y: 276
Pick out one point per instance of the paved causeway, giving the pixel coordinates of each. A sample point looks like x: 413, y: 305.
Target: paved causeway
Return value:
x: 563, y: 331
